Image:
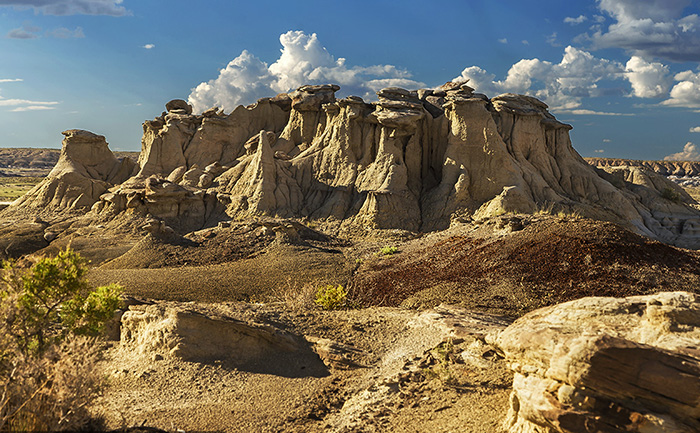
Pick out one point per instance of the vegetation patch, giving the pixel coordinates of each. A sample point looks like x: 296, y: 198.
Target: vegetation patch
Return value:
x: 331, y: 297
x: 12, y: 188
x: 50, y: 324
x: 388, y: 251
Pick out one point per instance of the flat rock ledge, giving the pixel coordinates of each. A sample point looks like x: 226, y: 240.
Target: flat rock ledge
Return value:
x: 606, y: 365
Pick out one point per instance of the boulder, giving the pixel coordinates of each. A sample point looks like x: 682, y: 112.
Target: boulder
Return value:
x: 606, y: 365
x: 171, y: 330
x: 178, y: 104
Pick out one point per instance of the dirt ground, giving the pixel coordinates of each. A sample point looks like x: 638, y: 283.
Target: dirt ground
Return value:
x: 410, y: 372
x: 393, y: 359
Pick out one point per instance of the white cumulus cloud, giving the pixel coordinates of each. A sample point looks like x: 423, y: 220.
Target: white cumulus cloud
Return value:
x: 690, y: 153
x: 651, y: 28
x: 648, y: 80
x: 686, y: 93
x: 149, y: 46
x: 561, y: 85
x: 695, y: 129
x: 303, y: 60
x: 70, y: 7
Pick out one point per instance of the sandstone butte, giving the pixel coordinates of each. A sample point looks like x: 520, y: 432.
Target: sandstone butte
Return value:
x: 414, y: 160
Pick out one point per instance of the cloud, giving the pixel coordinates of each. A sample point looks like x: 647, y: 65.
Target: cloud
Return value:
x: 525, y: 42
x: 33, y: 108
x: 690, y: 153
x: 651, y: 28
x: 13, y: 102
x: 149, y: 46
x: 503, y: 41
x: 561, y: 85
x: 573, y: 21
x: 606, y: 140
x: 584, y: 112
x: 303, y: 60
x: 648, y: 80
x: 599, y: 151
x: 687, y: 92
x: 29, y: 31
x: 24, y: 104
x: 552, y: 40
x: 695, y: 129
x: 70, y: 7
x: 24, y: 32
x: 64, y: 33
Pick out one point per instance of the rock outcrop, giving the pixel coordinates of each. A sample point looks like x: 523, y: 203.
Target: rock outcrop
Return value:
x: 414, y: 160
x: 173, y: 330
x: 85, y: 170
x: 606, y: 365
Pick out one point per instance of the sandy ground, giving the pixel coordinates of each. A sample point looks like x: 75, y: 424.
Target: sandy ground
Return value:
x: 414, y: 372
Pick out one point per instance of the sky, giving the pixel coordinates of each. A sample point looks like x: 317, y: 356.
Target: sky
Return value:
x: 624, y: 73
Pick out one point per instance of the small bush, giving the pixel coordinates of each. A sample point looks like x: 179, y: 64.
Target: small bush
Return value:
x: 331, y: 297
x: 388, y: 251
x: 49, y: 323
x: 298, y: 297
x: 670, y: 194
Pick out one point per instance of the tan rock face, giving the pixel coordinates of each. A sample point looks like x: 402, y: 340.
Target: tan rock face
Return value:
x: 84, y: 171
x: 174, y: 331
x: 606, y: 365
x: 415, y: 160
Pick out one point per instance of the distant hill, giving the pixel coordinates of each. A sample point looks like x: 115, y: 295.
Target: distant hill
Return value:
x: 31, y: 158
x: 666, y: 168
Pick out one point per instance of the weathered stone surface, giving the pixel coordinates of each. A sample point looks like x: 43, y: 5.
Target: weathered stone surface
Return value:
x: 173, y: 330
x: 415, y: 160
x: 178, y: 104
x: 606, y: 365
x: 84, y: 171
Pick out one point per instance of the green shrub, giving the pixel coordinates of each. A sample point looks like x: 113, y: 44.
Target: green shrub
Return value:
x: 331, y: 297
x: 387, y: 251
x: 670, y: 194
x: 49, y: 323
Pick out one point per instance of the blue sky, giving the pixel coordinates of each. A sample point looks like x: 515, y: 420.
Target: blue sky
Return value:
x: 624, y: 73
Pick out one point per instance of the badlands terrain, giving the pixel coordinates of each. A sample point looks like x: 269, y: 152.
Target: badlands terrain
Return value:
x: 496, y: 280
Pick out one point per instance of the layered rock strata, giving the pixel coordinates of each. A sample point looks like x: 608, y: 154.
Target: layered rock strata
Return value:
x: 414, y: 160
x: 606, y: 365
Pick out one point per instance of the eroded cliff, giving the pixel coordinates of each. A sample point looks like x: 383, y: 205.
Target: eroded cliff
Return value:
x: 414, y: 160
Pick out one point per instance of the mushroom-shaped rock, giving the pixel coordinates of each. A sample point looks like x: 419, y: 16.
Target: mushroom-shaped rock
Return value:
x: 310, y: 98
x: 85, y: 169
x: 178, y: 104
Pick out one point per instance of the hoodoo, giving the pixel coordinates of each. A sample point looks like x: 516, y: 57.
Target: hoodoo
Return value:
x: 413, y: 160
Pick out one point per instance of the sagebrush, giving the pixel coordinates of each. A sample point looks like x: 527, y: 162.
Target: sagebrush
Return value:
x: 50, y: 321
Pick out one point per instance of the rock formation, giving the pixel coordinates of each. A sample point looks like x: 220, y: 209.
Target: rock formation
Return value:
x: 171, y: 330
x: 85, y: 170
x: 414, y: 160
x: 606, y: 365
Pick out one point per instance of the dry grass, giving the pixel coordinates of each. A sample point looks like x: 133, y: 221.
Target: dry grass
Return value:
x: 46, y: 391
x: 298, y: 297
